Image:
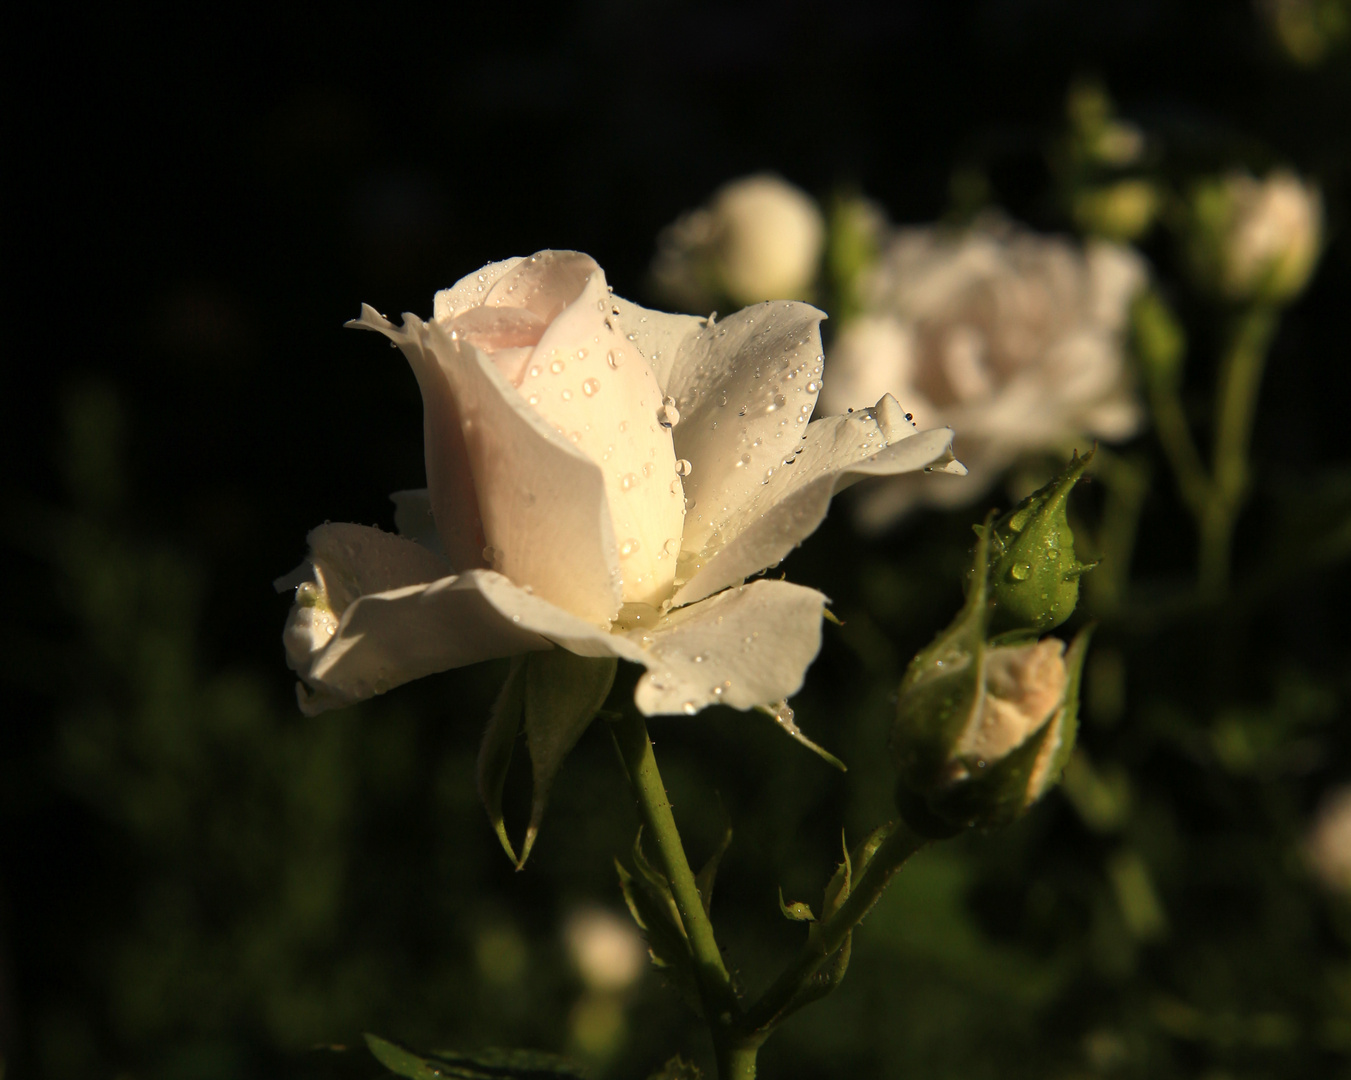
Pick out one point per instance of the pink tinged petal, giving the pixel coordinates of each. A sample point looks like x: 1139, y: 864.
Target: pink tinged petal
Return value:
x: 545, y: 522
x: 745, y: 388
x: 545, y: 517
x: 544, y: 284
x: 450, y: 477
x: 472, y: 289
x: 374, y: 610
x: 613, y: 414
x: 785, y: 508
x: 744, y: 647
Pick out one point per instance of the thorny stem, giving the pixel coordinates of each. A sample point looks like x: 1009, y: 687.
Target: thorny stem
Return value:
x: 736, y: 1056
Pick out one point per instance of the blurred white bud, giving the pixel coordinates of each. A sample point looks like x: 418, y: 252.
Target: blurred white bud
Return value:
x: 759, y: 238
x: 1013, y: 339
x: 608, y: 952
x: 1328, y: 845
x: 1255, y: 239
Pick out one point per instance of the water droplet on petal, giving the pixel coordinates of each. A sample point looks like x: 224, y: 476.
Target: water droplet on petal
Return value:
x: 668, y: 416
x: 566, y: 395
x: 628, y: 481
x: 683, y: 467
x: 1020, y: 571
x: 614, y: 358
x: 690, y: 708
x: 557, y: 367
x: 672, y: 546
x: 628, y: 547
x: 590, y: 387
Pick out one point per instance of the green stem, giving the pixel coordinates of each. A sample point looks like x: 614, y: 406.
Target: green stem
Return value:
x: 899, y: 845
x: 1170, y: 425
x: 1127, y: 482
x: 736, y: 1057
x: 715, y: 984
x: 1235, y: 408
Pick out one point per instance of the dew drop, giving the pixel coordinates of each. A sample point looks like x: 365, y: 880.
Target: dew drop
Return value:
x: 533, y: 399
x: 614, y: 358
x: 690, y: 708
x: 628, y: 547
x: 590, y: 387
x: 672, y: 546
x: 557, y: 367
x: 1020, y: 571
x: 628, y: 481
x: 668, y: 416
x: 683, y: 467
x: 647, y: 468
x: 676, y: 487
x: 566, y: 395
x: 534, y: 371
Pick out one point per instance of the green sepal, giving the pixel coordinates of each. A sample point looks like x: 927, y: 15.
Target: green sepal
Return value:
x: 494, y: 754
x: 942, y: 684
x: 797, y: 911
x: 492, y: 1064
x: 563, y: 693
x: 1158, y: 341
x: 708, y: 873
x: 782, y: 714
x: 1033, y: 570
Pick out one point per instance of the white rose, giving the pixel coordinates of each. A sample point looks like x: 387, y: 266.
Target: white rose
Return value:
x: 1256, y: 239
x: 1013, y: 339
x: 601, y: 478
x: 759, y: 238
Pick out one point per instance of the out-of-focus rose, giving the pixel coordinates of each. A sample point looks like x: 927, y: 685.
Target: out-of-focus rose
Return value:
x: 608, y: 952
x: 1255, y: 239
x: 1013, y: 339
x: 759, y: 238
x: 1329, y: 841
x: 603, y: 479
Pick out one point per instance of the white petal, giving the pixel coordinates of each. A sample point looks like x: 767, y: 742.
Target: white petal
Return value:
x: 610, y: 412
x: 744, y: 647
x: 789, y: 506
x: 546, y: 522
x: 450, y: 474
x: 663, y: 340
x: 745, y: 388
x: 374, y: 610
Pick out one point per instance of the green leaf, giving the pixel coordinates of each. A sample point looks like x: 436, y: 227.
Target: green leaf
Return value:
x: 491, y: 1064
x: 797, y: 911
x: 563, y: 693
x: 678, y: 1069
x: 494, y: 754
x: 709, y: 871
x: 650, y: 902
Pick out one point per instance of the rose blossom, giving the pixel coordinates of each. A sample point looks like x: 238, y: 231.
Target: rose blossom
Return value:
x: 1012, y: 339
x: 759, y: 238
x: 601, y: 478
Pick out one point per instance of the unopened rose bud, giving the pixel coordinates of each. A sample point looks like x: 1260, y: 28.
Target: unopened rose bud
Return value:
x: 1120, y: 211
x: 1034, y: 572
x: 759, y: 238
x: 981, y: 730
x: 1255, y: 240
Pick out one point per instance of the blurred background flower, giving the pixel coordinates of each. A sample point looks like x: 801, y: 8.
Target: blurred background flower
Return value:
x: 1013, y: 339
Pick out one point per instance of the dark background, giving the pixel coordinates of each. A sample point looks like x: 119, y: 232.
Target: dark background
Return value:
x: 197, y: 881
